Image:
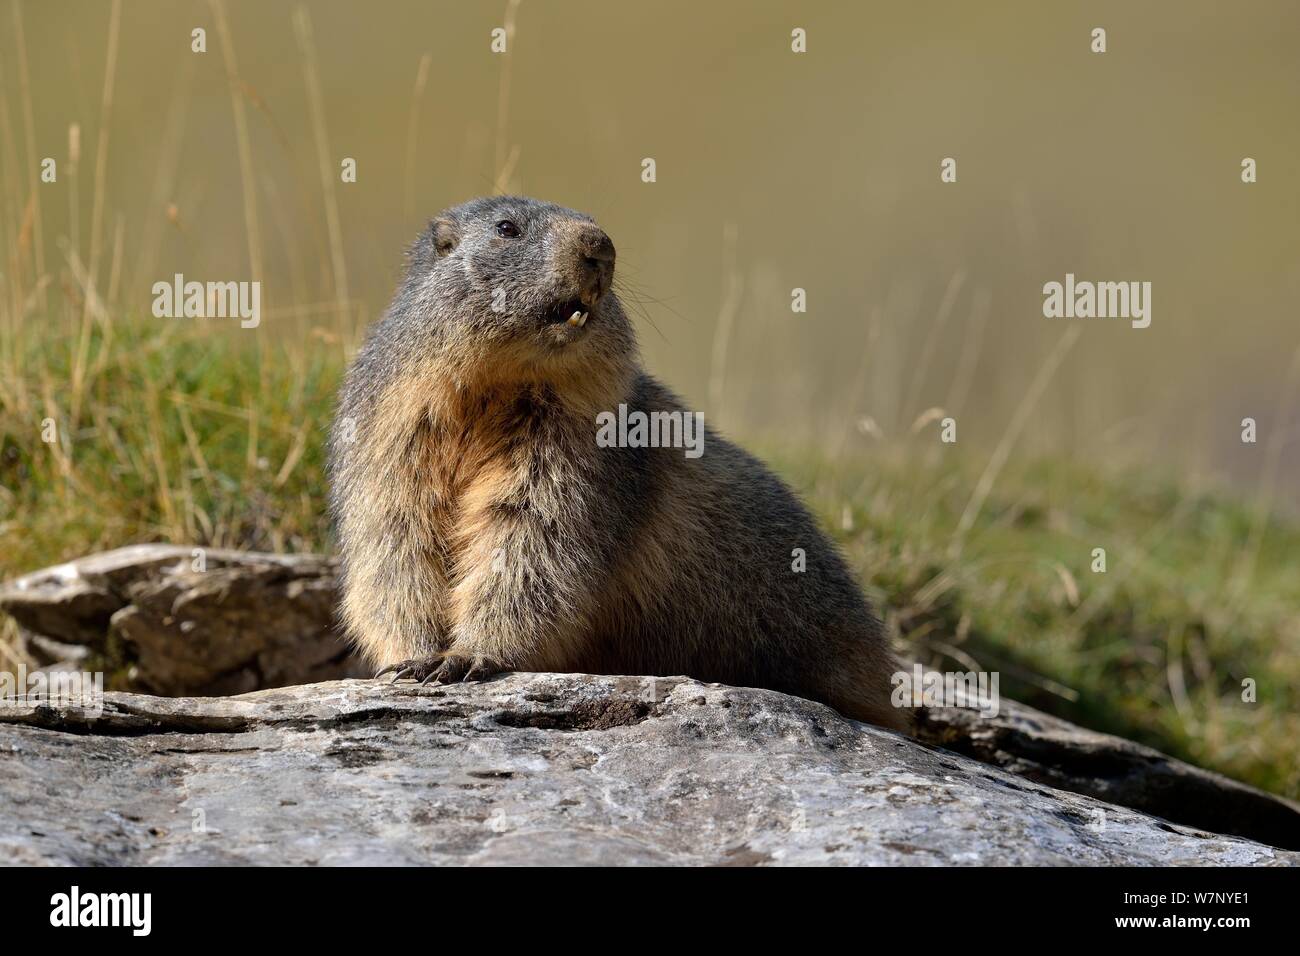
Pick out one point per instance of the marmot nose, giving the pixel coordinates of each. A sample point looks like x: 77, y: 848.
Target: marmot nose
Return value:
x: 595, y: 262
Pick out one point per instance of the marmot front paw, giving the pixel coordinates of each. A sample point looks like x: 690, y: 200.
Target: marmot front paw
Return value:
x: 443, y: 667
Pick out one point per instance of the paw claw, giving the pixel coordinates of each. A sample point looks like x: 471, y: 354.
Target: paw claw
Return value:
x: 452, y: 669
x: 480, y: 670
x: 443, y: 668
x: 416, y: 667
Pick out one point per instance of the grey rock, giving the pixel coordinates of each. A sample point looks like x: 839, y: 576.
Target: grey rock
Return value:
x: 249, y: 621
x: 535, y: 769
x: 1046, y: 749
x: 152, y: 622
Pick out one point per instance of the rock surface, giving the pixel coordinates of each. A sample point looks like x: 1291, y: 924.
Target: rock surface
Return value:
x: 535, y: 769
x: 175, y: 620
x: 153, y: 622
x: 1048, y: 750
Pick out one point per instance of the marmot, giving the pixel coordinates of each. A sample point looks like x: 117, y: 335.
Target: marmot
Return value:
x: 484, y: 528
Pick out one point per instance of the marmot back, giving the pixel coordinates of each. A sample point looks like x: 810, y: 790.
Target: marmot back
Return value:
x: 498, y: 509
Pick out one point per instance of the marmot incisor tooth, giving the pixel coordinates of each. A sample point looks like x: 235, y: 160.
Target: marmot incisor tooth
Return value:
x: 483, y: 527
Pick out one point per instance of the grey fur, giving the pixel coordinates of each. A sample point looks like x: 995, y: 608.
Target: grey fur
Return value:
x: 606, y: 560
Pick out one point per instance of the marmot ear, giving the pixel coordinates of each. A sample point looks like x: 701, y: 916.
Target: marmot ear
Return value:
x: 445, y: 236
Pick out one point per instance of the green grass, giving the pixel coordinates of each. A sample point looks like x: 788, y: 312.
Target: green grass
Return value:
x: 175, y: 432
x: 172, y: 434
x: 1154, y: 649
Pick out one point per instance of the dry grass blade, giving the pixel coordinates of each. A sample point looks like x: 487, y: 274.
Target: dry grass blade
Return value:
x: 999, y: 457
x: 413, y: 131
x: 932, y: 340
x: 503, y: 168
x: 101, y: 148
x: 1273, y: 458
x: 926, y: 417
x: 311, y: 75
x: 242, y: 142
x: 29, y: 131
x: 726, y: 318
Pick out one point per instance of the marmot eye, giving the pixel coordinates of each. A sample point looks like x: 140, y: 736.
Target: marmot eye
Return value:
x: 507, y: 229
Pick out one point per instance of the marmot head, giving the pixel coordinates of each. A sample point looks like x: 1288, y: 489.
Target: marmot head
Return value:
x: 521, y: 283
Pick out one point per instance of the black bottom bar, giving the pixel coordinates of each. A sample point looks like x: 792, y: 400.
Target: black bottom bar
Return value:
x: 219, y: 905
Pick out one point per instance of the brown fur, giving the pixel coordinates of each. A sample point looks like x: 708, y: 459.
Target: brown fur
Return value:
x: 482, y: 528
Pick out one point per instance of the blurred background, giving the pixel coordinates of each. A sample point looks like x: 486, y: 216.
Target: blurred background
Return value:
x: 775, y: 171
x: 825, y: 166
